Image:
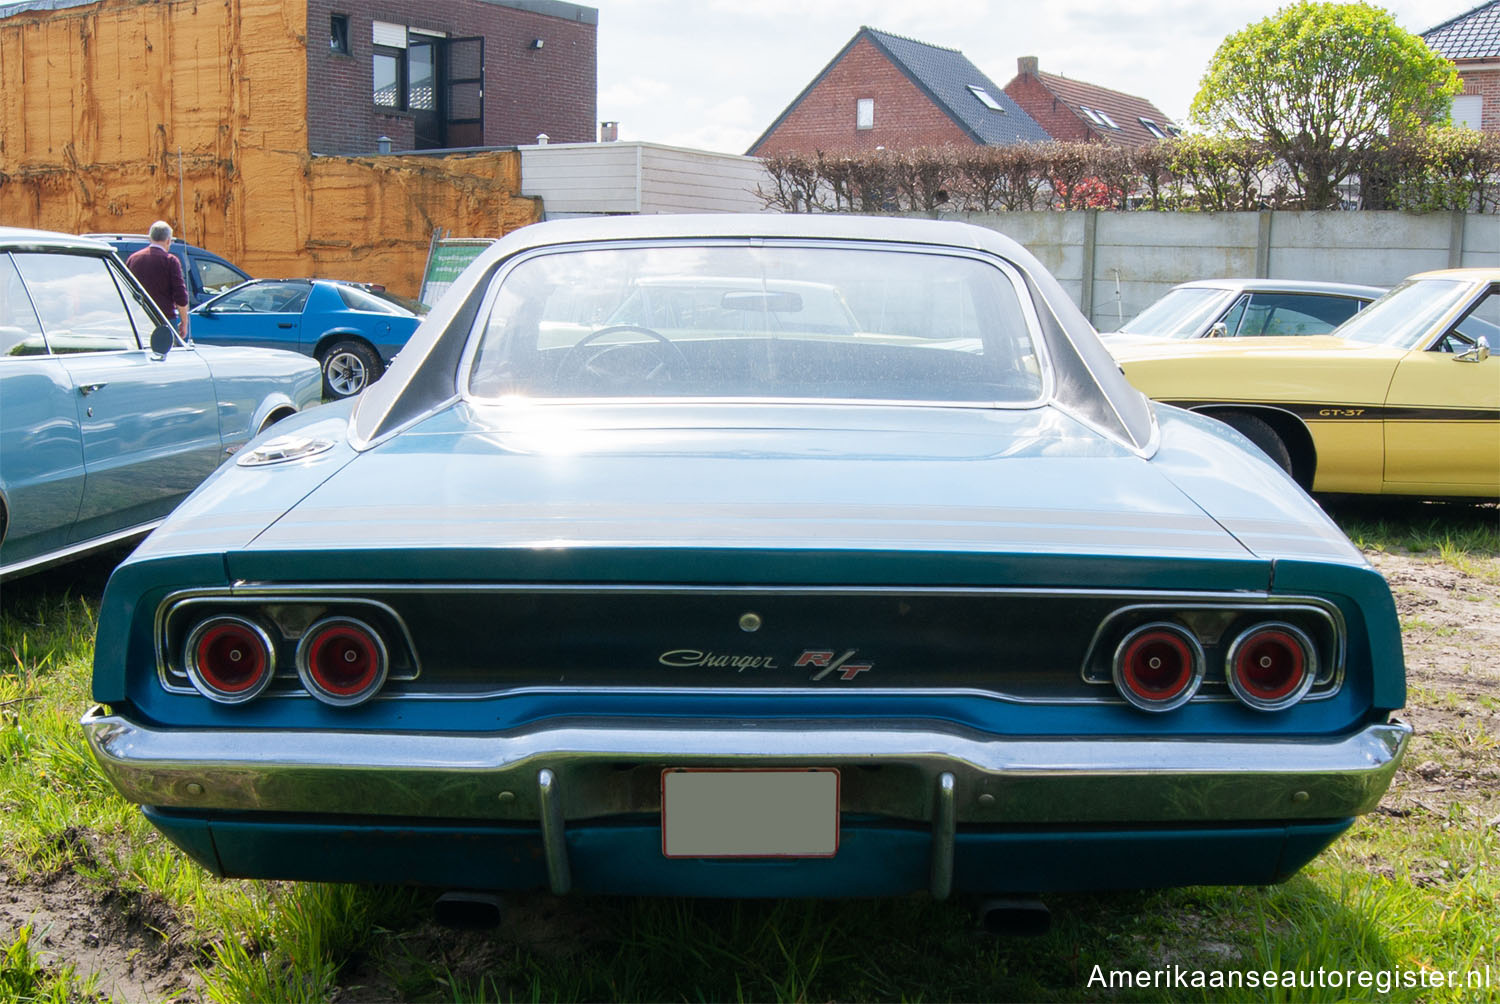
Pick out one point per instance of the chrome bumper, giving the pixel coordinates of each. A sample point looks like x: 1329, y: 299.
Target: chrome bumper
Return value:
x: 592, y: 769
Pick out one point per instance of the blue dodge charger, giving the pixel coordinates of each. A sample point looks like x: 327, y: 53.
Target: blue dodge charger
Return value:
x: 852, y: 567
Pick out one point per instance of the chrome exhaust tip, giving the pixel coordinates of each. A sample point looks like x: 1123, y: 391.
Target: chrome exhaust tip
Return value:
x: 468, y: 910
x: 1015, y: 916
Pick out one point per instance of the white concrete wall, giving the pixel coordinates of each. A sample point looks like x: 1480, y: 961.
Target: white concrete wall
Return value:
x: 591, y: 179
x: 1148, y: 253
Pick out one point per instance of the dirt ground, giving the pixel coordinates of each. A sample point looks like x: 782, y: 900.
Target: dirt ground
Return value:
x: 1451, y: 633
x: 1451, y: 619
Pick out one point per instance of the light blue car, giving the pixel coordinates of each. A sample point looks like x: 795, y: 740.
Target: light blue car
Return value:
x: 352, y: 329
x: 107, y: 420
x: 716, y: 601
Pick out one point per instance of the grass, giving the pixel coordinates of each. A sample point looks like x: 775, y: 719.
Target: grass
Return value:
x: 1409, y: 892
x: 1463, y: 535
x: 26, y: 979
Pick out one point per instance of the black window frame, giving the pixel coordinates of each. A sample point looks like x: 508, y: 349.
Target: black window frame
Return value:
x: 399, y: 56
x: 338, y: 34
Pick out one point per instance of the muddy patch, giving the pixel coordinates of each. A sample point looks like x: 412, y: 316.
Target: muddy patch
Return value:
x: 132, y: 941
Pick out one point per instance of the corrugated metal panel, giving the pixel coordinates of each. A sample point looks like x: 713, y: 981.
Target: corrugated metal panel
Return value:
x: 681, y: 181
x: 599, y: 178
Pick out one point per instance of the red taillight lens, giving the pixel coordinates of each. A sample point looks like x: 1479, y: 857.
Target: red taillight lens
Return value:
x: 342, y: 661
x: 230, y: 659
x: 1271, y: 666
x: 1158, y: 667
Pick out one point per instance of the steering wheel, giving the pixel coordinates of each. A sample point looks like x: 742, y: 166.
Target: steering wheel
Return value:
x: 622, y: 363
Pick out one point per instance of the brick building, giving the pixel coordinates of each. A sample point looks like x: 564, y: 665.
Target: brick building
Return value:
x: 883, y: 90
x: 462, y: 73
x: 251, y: 125
x: 1472, y: 41
x: 1075, y: 111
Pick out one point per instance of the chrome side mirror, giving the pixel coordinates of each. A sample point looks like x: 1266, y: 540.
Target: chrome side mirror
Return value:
x: 1219, y: 330
x: 1478, y: 353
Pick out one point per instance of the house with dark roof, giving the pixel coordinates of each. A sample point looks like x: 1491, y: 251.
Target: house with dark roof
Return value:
x: 1472, y: 41
x: 1073, y: 110
x: 883, y: 90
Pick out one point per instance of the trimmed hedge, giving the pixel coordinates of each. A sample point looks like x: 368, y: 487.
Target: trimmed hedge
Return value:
x: 1438, y: 169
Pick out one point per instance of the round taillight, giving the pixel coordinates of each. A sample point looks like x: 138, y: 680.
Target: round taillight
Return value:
x: 342, y: 661
x: 1271, y: 666
x: 1158, y: 667
x: 230, y: 659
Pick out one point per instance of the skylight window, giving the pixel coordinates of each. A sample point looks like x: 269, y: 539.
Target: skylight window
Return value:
x: 1091, y: 115
x: 985, y: 99
x: 1153, y: 128
x: 1107, y: 120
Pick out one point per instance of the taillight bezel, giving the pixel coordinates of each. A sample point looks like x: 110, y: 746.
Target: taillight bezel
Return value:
x: 201, y: 678
x: 1190, y: 679
x: 329, y: 693
x: 1280, y: 699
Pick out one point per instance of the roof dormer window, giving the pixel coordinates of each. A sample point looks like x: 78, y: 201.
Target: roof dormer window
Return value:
x: 985, y: 99
x: 1153, y: 128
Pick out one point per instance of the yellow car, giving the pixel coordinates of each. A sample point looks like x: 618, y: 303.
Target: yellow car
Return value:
x: 1403, y: 398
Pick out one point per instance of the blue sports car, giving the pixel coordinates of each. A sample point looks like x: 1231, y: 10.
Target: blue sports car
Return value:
x: 107, y: 420
x: 352, y: 329
x: 717, y: 601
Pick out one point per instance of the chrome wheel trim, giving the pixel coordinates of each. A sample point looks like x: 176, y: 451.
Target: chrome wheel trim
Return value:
x: 346, y: 373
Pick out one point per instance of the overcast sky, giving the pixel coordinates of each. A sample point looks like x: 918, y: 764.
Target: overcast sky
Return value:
x: 714, y: 74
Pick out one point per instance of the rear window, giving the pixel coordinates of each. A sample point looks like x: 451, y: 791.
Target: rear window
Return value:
x: 358, y: 299
x: 758, y: 322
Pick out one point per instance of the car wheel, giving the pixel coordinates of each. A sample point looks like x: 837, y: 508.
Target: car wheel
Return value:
x: 1259, y: 432
x: 348, y: 368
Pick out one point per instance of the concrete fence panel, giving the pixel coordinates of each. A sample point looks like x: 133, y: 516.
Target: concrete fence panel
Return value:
x: 1131, y: 259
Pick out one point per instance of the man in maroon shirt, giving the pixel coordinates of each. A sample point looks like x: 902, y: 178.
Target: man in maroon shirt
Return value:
x: 160, y: 272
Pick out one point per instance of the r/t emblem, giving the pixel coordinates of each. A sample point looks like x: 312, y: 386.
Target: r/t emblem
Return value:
x: 826, y: 663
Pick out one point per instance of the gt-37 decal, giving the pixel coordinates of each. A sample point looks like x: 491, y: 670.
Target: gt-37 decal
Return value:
x: 1377, y: 413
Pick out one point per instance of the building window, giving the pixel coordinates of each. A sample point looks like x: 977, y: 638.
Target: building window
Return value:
x: 1467, y: 111
x: 338, y: 33
x: 390, y: 77
x: 1097, y: 117
x: 1153, y: 128
x: 864, y: 113
x: 984, y: 98
x: 421, y: 74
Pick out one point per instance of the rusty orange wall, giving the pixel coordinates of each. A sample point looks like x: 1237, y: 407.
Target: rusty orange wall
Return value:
x: 96, y: 101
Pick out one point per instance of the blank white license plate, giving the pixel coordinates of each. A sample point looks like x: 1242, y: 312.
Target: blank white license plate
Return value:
x: 750, y: 813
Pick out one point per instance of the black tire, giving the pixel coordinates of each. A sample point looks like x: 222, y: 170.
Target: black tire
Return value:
x: 348, y: 368
x: 1259, y: 432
